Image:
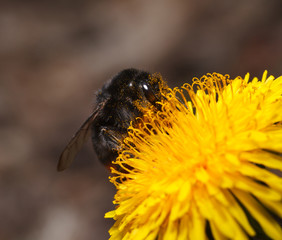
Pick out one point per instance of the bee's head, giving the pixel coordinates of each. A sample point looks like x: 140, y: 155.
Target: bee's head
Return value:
x: 135, y: 85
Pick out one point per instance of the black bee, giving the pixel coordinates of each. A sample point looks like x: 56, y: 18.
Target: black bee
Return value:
x: 117, y: 104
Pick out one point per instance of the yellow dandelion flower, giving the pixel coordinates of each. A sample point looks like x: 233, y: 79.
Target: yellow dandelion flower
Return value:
x: 204, y: 166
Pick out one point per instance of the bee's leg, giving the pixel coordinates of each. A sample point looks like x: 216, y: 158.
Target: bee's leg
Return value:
x: 106, y: 143
x: 112, y: 137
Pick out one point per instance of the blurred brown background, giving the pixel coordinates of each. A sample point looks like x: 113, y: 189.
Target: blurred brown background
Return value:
x: 54, y: 55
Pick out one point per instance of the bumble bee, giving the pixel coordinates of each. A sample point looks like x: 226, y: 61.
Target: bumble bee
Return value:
x: 117, y: 105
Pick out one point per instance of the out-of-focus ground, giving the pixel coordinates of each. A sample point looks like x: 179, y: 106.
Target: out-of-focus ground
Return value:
x: 54, y: 55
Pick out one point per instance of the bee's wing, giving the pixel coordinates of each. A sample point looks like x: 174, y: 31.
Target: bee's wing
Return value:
x: 76, y: 143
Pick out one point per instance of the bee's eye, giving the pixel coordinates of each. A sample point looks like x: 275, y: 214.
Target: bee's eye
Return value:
x: 148, y: 92
x: 130, y: 84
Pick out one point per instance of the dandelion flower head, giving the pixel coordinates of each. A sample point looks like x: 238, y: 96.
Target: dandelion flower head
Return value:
x: 205, y: 165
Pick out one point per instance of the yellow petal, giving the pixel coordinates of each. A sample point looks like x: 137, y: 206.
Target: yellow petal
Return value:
x: 268, y: 224
x: 197, y: 225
